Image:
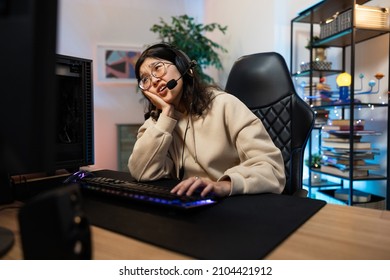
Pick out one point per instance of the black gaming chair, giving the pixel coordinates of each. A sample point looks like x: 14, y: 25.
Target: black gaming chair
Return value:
x: 262, y: 81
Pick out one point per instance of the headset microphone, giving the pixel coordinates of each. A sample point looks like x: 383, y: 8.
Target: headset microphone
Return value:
x: 173, y: 83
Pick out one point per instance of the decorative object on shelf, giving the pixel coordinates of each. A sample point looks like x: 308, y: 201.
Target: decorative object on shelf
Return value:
x: 319, y: 57
x: 315, y: 161
x: 315, y: 164
x: 343, y: 81
x: 325, y: 91
x: 330, y: 26
x: 371, y: 84
x: 365, y: 17
x: 319, y: 54
x: 316, y: 65
x: 321, y: 117
x: 187, y: 35
x: 318, y: 94
x: 371, y: 17
x: 319, y: 51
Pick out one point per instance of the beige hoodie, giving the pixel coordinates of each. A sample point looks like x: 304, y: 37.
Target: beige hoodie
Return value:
x: 229, y: 141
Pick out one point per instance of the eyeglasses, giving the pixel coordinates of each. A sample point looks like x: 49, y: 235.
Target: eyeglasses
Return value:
x: 159, y: 69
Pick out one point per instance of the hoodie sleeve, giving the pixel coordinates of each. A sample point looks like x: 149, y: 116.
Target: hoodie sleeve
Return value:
x: 150, y: 159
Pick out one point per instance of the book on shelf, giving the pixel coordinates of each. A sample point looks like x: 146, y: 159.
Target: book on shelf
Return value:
x: 328, y: 127
x: 343, y: 173
x: 346, y: 145
x: 357, y: 153
x: 344, y: 122
x: 336, y: 160
x: 343, y: 154
x: 346, y: 167
x: 357, y: 196
x: 333, y: 138
x: 346, y: 133
x: 375, y: 202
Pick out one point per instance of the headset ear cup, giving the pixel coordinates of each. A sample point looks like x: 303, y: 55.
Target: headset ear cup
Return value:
x: 183, y: 62
x: 185, y: 57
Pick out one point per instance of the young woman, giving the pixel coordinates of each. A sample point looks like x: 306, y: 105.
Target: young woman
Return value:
x: 199, y: 134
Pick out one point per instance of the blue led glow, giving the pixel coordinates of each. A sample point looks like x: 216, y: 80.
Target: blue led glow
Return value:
x: 157, y: 200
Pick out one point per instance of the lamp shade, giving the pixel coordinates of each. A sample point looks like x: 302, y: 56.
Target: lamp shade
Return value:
x: 343, y: 80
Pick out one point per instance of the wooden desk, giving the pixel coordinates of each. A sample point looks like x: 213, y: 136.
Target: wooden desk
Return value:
x: 339, y: 232
x: 335, y: 232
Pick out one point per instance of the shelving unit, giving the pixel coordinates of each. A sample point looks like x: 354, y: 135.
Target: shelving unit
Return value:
x: 346, y: 41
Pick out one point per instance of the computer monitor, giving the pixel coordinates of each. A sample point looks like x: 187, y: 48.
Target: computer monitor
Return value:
x: 28, y: 32
x: 28, y: 100
x: 47, y: 108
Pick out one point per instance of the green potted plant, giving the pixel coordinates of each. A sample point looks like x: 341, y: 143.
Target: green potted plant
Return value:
x: 315, y: 161
x: 185, y: 34
x: 315, y: 164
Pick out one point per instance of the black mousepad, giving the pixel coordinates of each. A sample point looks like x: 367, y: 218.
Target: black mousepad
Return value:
x: 238, y: 227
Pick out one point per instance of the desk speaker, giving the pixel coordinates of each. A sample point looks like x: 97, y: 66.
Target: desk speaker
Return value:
x: 53, y: 226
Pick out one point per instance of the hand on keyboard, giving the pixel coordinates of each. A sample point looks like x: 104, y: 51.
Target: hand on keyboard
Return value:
x: 145, y: 192
x: 203, y: 187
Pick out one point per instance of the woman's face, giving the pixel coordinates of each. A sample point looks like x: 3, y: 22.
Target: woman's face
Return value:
x: 156, y: 73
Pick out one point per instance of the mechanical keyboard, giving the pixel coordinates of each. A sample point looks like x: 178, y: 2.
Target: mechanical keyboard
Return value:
x: 142, y: 192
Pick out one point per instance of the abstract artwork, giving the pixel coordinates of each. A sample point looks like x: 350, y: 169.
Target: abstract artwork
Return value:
x: 116, y: 64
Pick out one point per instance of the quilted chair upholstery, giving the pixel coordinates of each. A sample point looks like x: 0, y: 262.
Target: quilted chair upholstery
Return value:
x: 262, y: 81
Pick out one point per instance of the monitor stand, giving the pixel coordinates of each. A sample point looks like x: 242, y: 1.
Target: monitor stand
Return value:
x: 6, y: 240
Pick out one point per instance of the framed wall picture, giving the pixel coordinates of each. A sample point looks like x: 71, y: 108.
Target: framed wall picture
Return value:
x: 115, y: 64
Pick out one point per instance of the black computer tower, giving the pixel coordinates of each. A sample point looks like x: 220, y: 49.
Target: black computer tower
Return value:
x: 75, y: 135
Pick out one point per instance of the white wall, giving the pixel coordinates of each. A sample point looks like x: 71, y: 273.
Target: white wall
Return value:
x: 246, y: 33
x: 84, y: 24
x: 253, y: 26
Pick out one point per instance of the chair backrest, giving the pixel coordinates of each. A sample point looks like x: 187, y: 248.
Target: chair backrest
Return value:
x: 262, y: 81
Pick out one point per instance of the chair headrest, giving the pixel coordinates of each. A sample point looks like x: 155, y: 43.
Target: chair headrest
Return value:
x: 260, y: 79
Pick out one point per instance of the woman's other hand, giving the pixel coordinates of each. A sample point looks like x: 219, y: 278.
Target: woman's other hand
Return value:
x: 203, y: 187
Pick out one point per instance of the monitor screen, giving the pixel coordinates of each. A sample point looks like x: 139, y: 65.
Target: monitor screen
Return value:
x: 47, y: 100
x: 28, y: 32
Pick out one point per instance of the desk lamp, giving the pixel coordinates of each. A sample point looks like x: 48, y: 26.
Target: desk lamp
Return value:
x: 343, y: 81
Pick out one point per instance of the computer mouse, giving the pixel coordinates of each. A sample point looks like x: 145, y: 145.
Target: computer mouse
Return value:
x: 77, y: 176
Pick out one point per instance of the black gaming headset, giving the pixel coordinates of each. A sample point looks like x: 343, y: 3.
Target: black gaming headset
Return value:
x: 183, y: 63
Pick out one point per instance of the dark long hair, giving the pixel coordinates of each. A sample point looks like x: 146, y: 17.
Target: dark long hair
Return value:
x: 196, y: 95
